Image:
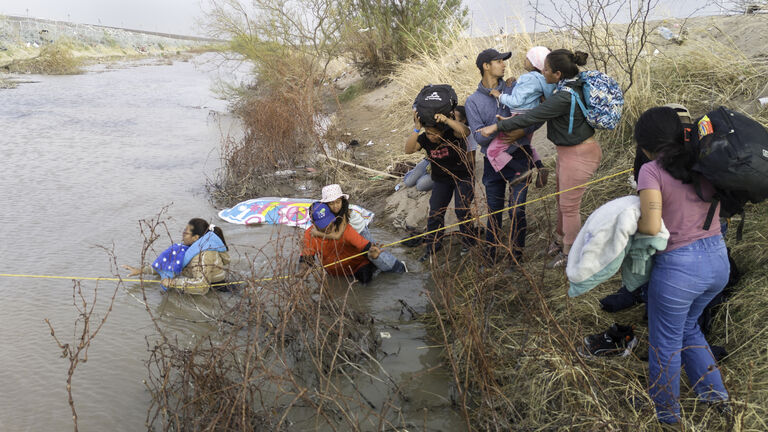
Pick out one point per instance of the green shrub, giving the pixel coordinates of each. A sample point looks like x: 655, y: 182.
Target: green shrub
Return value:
x: 54, y: 59
x: 379, y: 34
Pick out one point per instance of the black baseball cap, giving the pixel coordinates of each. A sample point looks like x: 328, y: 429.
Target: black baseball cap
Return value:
x: 489, y: 55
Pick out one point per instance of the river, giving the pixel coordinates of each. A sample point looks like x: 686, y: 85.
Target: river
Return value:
x: 86, y: 157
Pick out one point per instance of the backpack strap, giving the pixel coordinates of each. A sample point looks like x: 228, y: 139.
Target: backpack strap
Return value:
x: 696, y: 180
x: 740, y: 229
x: 574, y: 98
x: 711, y: 213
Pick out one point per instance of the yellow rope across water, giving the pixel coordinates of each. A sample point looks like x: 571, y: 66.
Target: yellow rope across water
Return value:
x: 341, y: 260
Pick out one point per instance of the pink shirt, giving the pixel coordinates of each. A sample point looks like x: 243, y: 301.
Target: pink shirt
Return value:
x: 682, y: 211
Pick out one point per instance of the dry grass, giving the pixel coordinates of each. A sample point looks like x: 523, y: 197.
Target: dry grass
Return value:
x: 284, y: 352
x: 54, y: 59
x: 280, y: 119
x: 510, y: 340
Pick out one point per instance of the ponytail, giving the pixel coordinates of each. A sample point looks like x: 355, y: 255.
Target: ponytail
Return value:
x: 201, y: 226
x: 566, y: 62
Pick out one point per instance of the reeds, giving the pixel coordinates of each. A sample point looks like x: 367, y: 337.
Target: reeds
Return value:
x: 283, y: 352
x: 510, y: 341
x: 280, y: 132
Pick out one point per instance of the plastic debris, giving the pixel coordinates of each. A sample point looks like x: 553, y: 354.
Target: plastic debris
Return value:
x: 666, y: 33
x: 763, y: 101
x: 369, y: 143
x: 385, y: 335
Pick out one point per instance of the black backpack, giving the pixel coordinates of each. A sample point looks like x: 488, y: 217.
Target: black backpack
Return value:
x: 733, y: 156
x: 435, y: 99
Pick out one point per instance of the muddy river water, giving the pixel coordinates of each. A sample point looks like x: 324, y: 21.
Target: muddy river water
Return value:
x: 84, y: 158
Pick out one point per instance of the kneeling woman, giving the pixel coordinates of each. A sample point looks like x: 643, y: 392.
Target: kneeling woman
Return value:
x: 200, y: 260
x: 340, y: 248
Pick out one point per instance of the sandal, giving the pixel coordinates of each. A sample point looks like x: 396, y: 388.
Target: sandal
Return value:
x: 560, y: 260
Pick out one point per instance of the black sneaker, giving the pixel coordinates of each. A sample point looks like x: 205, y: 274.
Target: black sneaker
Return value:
x: 431, y: 250
x: 618, y: 340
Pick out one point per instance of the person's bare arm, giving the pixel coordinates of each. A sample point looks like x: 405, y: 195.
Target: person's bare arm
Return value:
x: 459, y: 129
x: 412, y: 142
x: 512, y: 136
x: 650, y: 212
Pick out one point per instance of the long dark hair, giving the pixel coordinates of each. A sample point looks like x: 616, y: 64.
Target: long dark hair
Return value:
x: 659, y: 131
x: 343, y: 214
x: 567, y: 63
x: 200, y: 227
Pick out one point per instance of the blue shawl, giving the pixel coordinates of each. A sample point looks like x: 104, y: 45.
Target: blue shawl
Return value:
x: 172, y: 261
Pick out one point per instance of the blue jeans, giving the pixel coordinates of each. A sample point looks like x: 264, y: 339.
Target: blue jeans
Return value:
x: 366, y: 233
x: 495, y: 190
x: 462, y: 192
x: 683, y: 282
x: 385, y: 262
x: 418, y: 177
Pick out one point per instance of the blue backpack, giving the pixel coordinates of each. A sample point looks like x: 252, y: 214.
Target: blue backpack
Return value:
x: 603, y: 100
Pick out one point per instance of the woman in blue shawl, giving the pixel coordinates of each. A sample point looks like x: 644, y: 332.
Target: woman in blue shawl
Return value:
x: 192, y: 266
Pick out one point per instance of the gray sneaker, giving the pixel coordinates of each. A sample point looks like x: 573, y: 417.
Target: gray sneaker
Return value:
x: 560, y: 260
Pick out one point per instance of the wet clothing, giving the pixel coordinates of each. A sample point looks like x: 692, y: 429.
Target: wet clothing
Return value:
x: 329, y: 251
x: 556, y: 112
x: 448, y: 158
x: 351, y: 243
x: 206, y: 268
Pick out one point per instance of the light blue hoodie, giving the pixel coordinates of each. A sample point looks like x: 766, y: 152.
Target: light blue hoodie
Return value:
x: 527, y: 92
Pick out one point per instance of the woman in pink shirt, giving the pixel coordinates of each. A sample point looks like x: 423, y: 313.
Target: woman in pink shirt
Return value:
x: 687, y: 275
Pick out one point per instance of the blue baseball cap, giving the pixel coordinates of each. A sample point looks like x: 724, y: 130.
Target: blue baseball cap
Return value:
x: 322, y: 216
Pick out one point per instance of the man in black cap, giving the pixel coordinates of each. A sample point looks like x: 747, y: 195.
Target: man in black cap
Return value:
x: 482, y: 109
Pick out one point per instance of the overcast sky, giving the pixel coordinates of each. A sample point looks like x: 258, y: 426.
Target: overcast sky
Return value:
x: 180, y: 16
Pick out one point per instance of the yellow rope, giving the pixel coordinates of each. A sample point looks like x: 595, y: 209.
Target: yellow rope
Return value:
x: 344, y: 259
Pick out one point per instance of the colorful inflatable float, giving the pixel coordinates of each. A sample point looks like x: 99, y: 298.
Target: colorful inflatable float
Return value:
x: 279, y: 211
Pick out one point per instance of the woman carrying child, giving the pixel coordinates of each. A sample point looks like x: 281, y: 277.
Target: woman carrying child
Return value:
x: 192, y: 266
x: 446, y: 147
x: 578, y: 153
x: 687, y: 275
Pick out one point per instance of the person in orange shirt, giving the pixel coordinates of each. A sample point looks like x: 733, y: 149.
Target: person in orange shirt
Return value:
x: 331, y: 243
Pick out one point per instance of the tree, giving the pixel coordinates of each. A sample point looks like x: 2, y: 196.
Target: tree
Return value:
x: 614, y: 32
x: 380, y: 33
